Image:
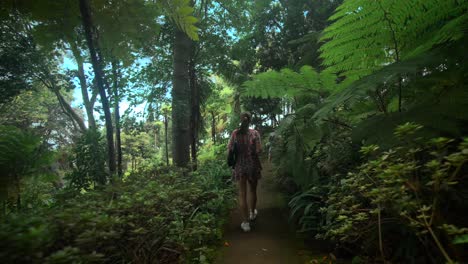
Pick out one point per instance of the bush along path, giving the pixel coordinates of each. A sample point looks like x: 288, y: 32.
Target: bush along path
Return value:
x: 153, y: 216
x: 271, y: 239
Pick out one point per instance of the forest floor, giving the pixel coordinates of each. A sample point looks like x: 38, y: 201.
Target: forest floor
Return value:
x: 271, y: 239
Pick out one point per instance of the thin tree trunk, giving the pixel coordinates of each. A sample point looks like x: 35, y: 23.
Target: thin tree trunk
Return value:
x: 195, y: 106
x: 48, y: 81
x: 99, y: 76
x: 18, y: 193
x: 84, y: 88
x: 118, y: 141
x: 166, y: 124
x: 88, y: 104
x: 69, y: 110
x: 181, y: 100
x: 400, y: 93
x: 156, y: 131
x: 213, y: 127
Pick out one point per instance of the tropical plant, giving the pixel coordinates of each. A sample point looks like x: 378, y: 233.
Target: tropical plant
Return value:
x: 404, y: 29
x: 289, y: 84
x: 23, y: 154
x: 153, y: 216
x: 404, y: 189
x: 368, y: 35
x: 88, y: 162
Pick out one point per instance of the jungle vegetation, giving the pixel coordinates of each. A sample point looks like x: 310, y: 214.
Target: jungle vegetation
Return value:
x: 115, y: 115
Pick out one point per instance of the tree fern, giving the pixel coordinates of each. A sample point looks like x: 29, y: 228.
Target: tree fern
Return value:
x: 287, y: 83
x: 367, y: 35
x: 180, y: 12
x: 451, y: 56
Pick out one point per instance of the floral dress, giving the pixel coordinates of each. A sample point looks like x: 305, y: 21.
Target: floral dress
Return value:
x: 248, y: 148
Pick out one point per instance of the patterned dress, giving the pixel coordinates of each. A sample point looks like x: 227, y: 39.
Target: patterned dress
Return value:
x: 248, y: 162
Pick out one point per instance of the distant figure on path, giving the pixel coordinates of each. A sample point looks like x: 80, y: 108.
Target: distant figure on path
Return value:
x: 247, y: 168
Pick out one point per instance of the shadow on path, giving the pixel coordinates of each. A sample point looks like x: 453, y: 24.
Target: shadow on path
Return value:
x: 271, y: 240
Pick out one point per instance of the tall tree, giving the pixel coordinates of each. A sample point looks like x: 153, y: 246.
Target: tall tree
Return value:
x: 165, y: 110
x: 87, y: 101
x: 181, y: 99
x: 96, y: 60
x: 194, y: 103
x: 115, y: 90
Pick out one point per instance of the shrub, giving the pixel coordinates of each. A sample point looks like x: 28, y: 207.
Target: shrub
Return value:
x: 88, y: 160
x: 157, y: 216
x: 402, y: 204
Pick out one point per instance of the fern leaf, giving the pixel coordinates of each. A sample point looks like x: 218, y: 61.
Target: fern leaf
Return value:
x: 367, y: 35
x: 287, y: 84
x: 180, y: 12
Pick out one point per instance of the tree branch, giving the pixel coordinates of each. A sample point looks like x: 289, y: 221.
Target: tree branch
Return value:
x: 337, y: 122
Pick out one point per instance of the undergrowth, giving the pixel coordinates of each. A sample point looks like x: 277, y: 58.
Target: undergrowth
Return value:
x: 162, y: 215
x: 403, y: 205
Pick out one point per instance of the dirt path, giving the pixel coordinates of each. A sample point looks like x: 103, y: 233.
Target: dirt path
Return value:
x: 271, y: 240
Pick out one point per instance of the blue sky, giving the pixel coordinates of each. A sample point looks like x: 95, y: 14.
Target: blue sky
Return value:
x: 69, y: 64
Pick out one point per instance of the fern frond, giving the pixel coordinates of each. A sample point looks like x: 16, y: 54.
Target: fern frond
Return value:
x: 180, y: 12
x: 367, y: 35
x: 287, y: 83
x: 427, y: 62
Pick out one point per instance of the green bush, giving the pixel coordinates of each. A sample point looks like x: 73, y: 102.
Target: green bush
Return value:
x: 156, y: 216
x: 22, y: 155
x: 404, y: 204
x: 88, y: 162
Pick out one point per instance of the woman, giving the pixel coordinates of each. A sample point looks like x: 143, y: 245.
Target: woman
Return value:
x: 247, y: 169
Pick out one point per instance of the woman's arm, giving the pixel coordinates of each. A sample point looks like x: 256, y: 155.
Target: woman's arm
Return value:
x: 258, y: 142
x: 231, y: 140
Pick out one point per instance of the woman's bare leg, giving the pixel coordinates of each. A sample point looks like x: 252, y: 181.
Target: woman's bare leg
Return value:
x: 253, y: 194
x: 243, y: 199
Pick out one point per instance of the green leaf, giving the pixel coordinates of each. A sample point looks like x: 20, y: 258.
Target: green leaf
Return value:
x: 461, y: 239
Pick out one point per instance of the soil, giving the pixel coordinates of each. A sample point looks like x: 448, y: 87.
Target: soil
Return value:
x: 271, y: 239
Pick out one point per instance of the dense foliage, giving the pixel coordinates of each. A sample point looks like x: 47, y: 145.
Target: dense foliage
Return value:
x: 154, y: 216
x: 398, y: 202
x: 385, y: 63
x: 360, y: 104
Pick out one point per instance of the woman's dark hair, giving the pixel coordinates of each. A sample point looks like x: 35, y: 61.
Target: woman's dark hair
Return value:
x: 246, y: 114
x: 244, y: 126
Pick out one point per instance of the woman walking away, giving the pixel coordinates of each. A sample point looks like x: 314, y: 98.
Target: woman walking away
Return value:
x: 247, y: 169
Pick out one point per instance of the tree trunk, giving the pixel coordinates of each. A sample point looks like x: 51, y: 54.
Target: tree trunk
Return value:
x: 213, y: 127
x: 166, y: 123
x: 18, y: 193
x: 69, y: 110
x: 84, y: 88
x: 48, y: 81
x: 181, y: 100
x: 99, y: 76
x: 118, y: 141
x: 195, y: 105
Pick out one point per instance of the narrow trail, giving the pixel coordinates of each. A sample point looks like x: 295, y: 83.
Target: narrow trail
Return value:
x: 271, y: 239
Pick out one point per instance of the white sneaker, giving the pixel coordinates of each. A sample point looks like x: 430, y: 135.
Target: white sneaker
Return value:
x: 245, y: 226
x: 253, y: 215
